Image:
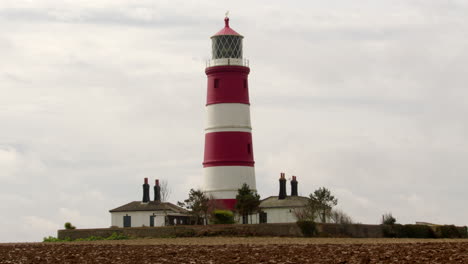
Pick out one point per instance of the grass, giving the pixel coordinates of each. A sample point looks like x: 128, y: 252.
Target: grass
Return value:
x: 114, y: 236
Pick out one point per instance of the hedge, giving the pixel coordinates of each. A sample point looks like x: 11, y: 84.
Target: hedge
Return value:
x: 308, y: 228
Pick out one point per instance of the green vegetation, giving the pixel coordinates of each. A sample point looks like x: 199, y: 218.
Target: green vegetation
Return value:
x: 198, y: 204
x: 247, y: 201
x: 308, y: 228
x: 424, y: 231
x: 68, y: 225
x: 54, y: 239
x: 222, y: 217
x: 450, y: 231
x: 388, y: 219
x: 114, y: 236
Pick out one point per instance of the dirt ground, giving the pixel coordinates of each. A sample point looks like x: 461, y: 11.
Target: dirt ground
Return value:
x: 241, y: 250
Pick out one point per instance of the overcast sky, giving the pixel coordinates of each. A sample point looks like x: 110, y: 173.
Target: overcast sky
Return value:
x: 368, y: 98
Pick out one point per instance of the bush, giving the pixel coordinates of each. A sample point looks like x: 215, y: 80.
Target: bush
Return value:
x: 68, y: 225
x: 54, y: 239
x: 308, y: 228
x: 450, y: 231
x: 407, y: 231
x: 117, y: 236
x: 418, y: 231
x: 388, y: 219
x: 114, y: 236
x: 223, y: 217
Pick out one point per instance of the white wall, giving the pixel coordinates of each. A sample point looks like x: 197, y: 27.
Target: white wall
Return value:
x: 280, y: 215
x: 138, y: 218
x: 274, y: 215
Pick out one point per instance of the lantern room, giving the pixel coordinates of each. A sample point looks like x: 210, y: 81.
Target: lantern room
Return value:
x: 226, y: 47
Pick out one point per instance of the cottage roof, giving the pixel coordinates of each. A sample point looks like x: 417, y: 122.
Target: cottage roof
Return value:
x: 289, y: 202
x: 149, y: 206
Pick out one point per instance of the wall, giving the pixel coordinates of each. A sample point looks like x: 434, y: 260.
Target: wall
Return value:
x: 286, y: 229
x: 280, y: 215
x: 138, y: 218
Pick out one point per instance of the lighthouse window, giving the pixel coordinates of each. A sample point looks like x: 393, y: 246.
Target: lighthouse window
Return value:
x: 245, y: 83
x: 249, y: 148
x: 226, y: 46
x: 216, y: 83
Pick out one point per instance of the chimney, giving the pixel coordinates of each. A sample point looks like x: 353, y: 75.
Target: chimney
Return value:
x: 157, y: 191
x: 282, y: 182
x: 293, y: 186
x: 146, y: 194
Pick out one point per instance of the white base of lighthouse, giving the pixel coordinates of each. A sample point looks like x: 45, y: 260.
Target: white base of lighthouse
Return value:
x: 222, y: 182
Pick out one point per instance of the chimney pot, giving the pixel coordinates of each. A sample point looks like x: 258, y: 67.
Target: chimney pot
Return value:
x: 294, y: 186
x: 282, y: 190
x: 157, y: 191
x: 146, y: 192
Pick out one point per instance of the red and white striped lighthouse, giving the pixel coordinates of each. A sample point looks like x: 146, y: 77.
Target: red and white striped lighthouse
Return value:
x: 229, y: 160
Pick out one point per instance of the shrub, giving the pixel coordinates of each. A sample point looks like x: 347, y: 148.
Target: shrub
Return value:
x: 418, y: 231
x: 54, y: 239
x: 68, y: 225
x: 450, y: 231
x: 223, y: 217
x: 392, y: 230
x: 308, y: 228
x: 117, y: 236
x: 388, y: 219
x: 407, y: 231
x: 114, y: 236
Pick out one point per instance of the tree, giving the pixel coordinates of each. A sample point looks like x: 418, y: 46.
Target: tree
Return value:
x: 165, y: 190
x: 388, y: 219
x: 198, y: 205
x: 322, y: 201
x: 247, y: 201
x: 68, y: 225
x: 339, y: 217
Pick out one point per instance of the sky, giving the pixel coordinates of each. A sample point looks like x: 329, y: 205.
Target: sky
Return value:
x: 367, y: 98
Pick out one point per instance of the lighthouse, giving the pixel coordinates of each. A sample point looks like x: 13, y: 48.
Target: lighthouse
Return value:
x: 228, y: 160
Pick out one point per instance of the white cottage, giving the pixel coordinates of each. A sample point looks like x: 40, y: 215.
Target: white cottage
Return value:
x: 281, y: 208
x: 149, y: 213
x: 275, y: 210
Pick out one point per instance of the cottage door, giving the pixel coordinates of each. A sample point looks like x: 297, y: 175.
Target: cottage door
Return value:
x: 151, y: 220
x: 127, y: 219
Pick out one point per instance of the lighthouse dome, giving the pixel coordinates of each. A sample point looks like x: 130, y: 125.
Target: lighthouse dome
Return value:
x: 226, y: 30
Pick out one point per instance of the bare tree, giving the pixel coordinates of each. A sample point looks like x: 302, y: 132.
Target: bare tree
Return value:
x: 337, y: 216
x: 307, y: 213
x: 165, y: 190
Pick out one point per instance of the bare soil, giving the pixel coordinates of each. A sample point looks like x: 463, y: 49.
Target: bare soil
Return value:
x: 241, y: 250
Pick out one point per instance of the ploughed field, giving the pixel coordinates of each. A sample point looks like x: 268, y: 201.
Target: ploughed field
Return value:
x: 241, y: 250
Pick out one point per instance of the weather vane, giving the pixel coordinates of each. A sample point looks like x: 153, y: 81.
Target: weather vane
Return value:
x: 227, y: 13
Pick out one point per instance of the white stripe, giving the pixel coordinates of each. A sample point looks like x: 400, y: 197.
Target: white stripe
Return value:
x: 228, y: 129
x: 223, y: 181
x: 228, y: 117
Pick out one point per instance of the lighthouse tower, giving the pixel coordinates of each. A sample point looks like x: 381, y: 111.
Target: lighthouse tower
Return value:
x: 228, y: 161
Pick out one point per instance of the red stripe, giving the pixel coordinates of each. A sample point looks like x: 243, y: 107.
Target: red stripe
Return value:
x: 226, y: 204
x: 228, y: 149
x: 232, y: 85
